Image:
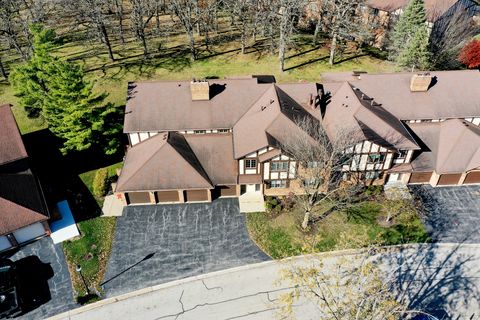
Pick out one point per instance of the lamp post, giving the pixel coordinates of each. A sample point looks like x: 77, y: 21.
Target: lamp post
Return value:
x: 78, y: 268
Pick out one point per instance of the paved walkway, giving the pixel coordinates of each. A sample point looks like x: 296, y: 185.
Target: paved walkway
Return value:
x: 443, y: 280
x: 156, y: 244
x: 44, y: 271
x: 453, y: 213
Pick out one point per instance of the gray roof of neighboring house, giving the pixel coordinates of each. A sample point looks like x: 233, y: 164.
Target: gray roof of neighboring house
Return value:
x: 453, y: 146
x: 454, y: 94
x: 11, y: 143
x: 434, y: 8
x: 168, y: 105
x: 350, y: 110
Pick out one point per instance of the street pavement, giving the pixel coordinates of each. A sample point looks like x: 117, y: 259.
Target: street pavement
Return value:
x: 443, y: 279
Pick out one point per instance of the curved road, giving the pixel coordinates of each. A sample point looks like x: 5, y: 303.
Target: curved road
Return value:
x: 445, y: 277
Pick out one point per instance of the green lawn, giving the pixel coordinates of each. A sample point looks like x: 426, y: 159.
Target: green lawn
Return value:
x: 172, y: 62
x: 281, y: 236
x: 92, y: 250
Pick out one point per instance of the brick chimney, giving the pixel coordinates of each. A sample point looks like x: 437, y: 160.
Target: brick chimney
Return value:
x: 200, y: 90
x: 420, y: 82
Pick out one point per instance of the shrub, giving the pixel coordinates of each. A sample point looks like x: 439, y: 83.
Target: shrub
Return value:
x: 470, y: 54
x: 100, y: 182
x: 273, y: 204
x: 373, y: 191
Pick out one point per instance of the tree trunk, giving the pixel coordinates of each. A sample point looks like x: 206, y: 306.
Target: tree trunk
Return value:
x: 333, y: 48
x: 157, y: 19
x: 282, y: 44
x: 192, y: 45
x: 317, y: 30
x: 144, y: 44
x: 107, y: 41
x: 119, y: 9
x: 2, y: 69
x: 243, y: 39
x: 306, y: 220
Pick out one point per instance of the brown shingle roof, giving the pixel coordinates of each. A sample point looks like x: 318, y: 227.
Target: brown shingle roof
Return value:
x: 168, y: 105
x: 434, y: 8
x: 351, y: 110
x: 268, y: 122
x: 453, y: 146
x: 455, y: 94
x: 163, y: 162
x: 11, y: 144
x: 215, y: 153
x: 14, y: 216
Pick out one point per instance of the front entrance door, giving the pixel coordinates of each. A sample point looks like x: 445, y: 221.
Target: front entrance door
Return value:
x: 250, y: 188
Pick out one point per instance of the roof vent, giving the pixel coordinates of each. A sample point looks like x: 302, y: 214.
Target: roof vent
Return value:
x: 200, y: 90
x: 420, y: 82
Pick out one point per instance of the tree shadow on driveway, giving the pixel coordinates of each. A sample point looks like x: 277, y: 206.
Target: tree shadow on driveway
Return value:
x: 440, y: 279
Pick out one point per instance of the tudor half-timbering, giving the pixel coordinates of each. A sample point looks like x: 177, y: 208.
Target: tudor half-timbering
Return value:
x: 199, y: 140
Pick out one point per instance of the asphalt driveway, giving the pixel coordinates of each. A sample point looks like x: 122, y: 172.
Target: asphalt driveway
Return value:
x: 157, y: 244
x: 45, y: 277
x: 452, y: 213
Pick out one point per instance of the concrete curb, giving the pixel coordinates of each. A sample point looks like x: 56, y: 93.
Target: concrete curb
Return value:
x: 340, y: 253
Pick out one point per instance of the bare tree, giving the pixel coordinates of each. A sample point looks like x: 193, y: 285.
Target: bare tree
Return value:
x: 241, y: 12
x: 448, y: 36
x: 185, y: 11
x: 350, y: 288
x: 343, y: 21
x: 12, y: 26
x: 119, y: 12
x: 322, y: 172
x: 94, y: 14
x: 289, y: 11
x: 142, y: 13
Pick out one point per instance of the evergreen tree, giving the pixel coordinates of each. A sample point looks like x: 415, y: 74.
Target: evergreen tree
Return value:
x: 31, y: 79
x: 416, y: 54
x: 412, y: 19
x: 58, y: 91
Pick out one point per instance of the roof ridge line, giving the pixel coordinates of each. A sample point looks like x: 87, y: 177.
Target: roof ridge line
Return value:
x: 146, y: 160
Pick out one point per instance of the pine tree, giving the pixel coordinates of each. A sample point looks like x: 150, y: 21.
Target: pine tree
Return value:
x: 416, y: 54
x: 412, y: 19
x: 31, y: 79
x: 59, y: 92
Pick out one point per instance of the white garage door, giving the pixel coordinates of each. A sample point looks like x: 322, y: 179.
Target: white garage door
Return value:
x: 4, y: 243
x: 29, y: 233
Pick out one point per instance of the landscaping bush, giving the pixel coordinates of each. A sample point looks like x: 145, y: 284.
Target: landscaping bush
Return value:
x: 373, y: 191
x: 100, y: 183
x: 273, y: 204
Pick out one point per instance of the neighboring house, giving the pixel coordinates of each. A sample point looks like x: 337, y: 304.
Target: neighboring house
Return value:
x: 440, y: 15
x: 195, y: 141
x: 23, y: 211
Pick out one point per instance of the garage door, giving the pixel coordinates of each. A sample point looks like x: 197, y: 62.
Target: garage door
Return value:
x: 420, y: 177
x: 29, y: 233
x: 472, y: 177
x: 138, y: 197
x: 167, y: 196
x: 227, y: 191
x: 449, y: 179
x: 196, y: 195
